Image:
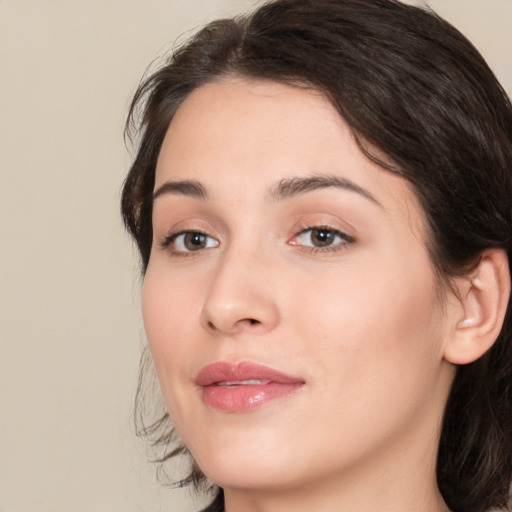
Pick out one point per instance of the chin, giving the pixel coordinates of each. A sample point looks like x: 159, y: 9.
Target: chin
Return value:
x: 247, y: 462
x: 249, y: 475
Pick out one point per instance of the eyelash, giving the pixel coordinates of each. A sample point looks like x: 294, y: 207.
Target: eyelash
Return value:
x: 346, y: 240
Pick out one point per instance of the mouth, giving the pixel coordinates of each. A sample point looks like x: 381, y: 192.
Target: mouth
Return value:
x: 244, y: 386
x: 248, y: 382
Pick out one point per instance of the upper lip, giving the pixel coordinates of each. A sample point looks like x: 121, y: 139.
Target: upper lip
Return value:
x: 221, y: 371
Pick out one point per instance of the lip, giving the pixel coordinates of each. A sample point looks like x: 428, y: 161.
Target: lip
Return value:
x: 242, y: 387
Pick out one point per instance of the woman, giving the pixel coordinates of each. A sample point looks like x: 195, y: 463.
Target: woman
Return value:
x: 322, y: 200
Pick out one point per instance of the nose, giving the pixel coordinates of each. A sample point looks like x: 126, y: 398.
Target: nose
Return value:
x: 241, y: 297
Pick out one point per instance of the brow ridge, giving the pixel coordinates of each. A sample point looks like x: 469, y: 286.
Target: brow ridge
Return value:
x: 286, y: 188
x: 290, y: 187
x: 188, y: 188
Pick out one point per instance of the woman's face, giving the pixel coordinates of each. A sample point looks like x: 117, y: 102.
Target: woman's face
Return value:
x: 289, y: 301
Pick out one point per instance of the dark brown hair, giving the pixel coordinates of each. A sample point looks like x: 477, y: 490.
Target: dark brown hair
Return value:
x: 411, y: 87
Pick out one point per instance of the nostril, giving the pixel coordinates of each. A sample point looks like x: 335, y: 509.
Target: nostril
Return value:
x: 228, y: 326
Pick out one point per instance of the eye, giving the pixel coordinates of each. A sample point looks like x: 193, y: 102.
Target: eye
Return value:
x: 190, y: 241
x: 321, y: 237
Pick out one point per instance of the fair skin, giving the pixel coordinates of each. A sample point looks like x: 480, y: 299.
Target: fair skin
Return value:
x: 277, y: 242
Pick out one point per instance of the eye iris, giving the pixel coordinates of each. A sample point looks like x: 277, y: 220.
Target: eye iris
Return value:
x: 194, y: 241
x: 322, y: 237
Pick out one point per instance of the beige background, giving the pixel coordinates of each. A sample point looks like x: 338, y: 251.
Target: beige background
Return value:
x: 70, y: 328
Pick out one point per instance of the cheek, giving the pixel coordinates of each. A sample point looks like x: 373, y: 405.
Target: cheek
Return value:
x: 376, y: 340
x: 166, y: 311
x: 386, y: 318
x: 171, y: 328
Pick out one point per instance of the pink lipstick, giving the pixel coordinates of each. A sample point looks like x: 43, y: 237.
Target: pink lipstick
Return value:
x: 244, y: 386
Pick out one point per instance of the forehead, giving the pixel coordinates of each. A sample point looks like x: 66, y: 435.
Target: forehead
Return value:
x: 248, y: 135
x: 249, y: 116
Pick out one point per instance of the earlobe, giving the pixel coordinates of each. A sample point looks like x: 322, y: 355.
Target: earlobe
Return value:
x: 483, y: 300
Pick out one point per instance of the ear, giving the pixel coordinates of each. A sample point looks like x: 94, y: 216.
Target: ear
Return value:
x: 478, y: 317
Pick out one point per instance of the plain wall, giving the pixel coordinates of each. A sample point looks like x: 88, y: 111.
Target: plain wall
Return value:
x: 70, y: 327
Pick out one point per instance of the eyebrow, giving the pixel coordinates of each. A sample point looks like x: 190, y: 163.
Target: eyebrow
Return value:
x: 286, y: 188
x: 290, y: 187
x: 186, y: 188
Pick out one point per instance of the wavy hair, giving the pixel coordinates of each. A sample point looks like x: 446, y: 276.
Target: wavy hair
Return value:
x: 414, y: 89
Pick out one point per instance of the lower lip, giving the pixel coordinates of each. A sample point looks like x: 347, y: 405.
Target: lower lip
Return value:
x: 244, y: 398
